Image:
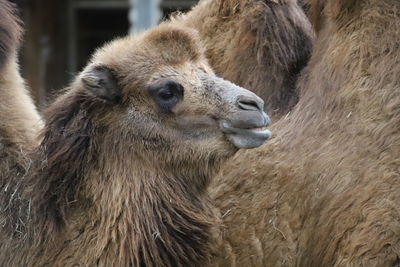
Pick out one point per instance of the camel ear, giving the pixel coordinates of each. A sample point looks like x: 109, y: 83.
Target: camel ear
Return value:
x: 101, y: 82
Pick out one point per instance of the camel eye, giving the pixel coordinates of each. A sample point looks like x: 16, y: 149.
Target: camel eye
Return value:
x: 166, y: 94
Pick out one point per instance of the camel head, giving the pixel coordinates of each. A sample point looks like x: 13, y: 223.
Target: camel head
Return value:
x: 160, y: 92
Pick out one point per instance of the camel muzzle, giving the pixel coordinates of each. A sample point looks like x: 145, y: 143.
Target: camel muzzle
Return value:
x: 247, y: 128
x: 244, y: 122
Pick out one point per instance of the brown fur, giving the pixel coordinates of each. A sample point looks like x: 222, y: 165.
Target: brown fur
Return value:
x: 259, y: 44
x: 325, y: 191
x: 336, y: 10
x: 116, y: 180
x: 10, y: 32
x: 18, y: 111
x: 19, y: 123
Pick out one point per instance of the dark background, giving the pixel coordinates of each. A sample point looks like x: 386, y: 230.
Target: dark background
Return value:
x: 60, y: 36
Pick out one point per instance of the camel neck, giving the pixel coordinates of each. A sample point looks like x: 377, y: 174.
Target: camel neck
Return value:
x: 355, y: 75
x: 20, y: 119
x: 350, y: 86
x: 167, y: 223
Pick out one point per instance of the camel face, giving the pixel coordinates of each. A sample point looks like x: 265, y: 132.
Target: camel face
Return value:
x: 164, y: 95
x: 198, y: 107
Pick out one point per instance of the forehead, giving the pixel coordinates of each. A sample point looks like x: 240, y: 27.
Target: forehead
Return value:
x: 165, y: 45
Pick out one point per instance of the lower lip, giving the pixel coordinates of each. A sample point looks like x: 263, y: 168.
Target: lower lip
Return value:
x: 259, y: 131
x: 248, y: 138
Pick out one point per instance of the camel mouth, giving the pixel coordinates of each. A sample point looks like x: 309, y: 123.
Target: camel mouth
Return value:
x: 245, y: 138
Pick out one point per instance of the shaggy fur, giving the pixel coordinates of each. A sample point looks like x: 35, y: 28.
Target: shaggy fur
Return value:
x: 19, y: 124
x: 325, y: 191
x: 10, y: 32
x: 259, y: 44
x: 116, y: 179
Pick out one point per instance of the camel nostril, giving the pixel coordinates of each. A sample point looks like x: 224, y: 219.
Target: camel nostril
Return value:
x: 247, y: 103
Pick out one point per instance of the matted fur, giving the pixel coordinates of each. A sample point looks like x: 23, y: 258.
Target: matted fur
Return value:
x: 325, y: 191
x: 259, y: 44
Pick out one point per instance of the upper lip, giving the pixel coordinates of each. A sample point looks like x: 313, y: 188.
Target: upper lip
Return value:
x: 247, y: 120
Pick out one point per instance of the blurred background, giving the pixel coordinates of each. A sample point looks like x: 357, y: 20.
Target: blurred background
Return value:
x: 60, y: 35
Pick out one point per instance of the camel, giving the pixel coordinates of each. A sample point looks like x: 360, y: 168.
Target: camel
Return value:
x: 23, y: 112
x: 119, y: 172
x: 325, y: 191
x: 261, y: 45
